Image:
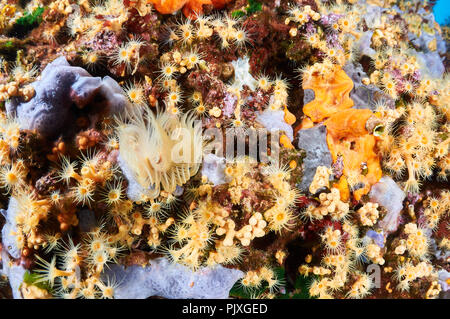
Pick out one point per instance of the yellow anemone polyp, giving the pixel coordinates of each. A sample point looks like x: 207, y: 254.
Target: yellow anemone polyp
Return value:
x: 348, y: 137
x: 332, y: 94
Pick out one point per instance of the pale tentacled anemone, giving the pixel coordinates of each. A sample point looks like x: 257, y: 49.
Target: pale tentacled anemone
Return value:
x: 162, y: 150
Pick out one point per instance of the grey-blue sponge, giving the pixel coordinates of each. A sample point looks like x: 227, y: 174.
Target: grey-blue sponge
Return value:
x: 62, y: 90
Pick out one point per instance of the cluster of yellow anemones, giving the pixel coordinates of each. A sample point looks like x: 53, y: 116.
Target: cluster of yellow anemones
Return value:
x: 9, y: 137
x: 406, y: 273
x: 373, y: 251
x: 368, y: 214
x: 321, y: 179
x: 254, y: 279
x: 301, y: 15
x: 436, y: 210
x: 330, y: 204
x: 417, y: 242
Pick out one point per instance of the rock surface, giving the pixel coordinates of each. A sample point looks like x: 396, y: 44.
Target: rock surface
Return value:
x: 135, y: 191
x: 213, y: 167
x: 364, y: 44
x: 242, y: 74
x: 14, y: 273
x: 314, y: 142
x: 87, y: 221
x: 308, y: 96
x: 431, y: 64
x: 387, y: 194
x: 9, y: 240
x: 174, y: 281
x: 274, y: 120
x: 365, y: 96
x: 62, y: 91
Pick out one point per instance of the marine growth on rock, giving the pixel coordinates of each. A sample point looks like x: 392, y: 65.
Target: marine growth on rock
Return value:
x: 224, y: 149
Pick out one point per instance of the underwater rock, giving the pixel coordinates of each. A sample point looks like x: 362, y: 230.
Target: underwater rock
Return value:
x: 14, y: 273
x: 179, y: 190
x: 174, y: 281
x: 135, y: 191
x: 396, y: 9
x: 308, y: 96
x: 9, y: 240
x: 274, y: 121
x: 430, y: 64
x: 444, y: 276
x: 373, y: 16
x: 422, y: 41
x: 377, y: 237
x: 387, y: 194
x: 364, y: 44
x: 229, y: 104
x: 441, y: 45
x: 365, y: 96
x: 114, y: 94
x: 428, y: 34
x: 11, y: 211
x: 242, y: 74
x: 86, y: 220
x: 99, y: 176
x: 314, y: 142
x: 62, y: 87
x: 213, y: 167
x: 439, y: 253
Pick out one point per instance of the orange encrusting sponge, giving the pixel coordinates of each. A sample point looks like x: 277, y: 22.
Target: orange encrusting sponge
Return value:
x: 347, y: 136
x: 332, y: 94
